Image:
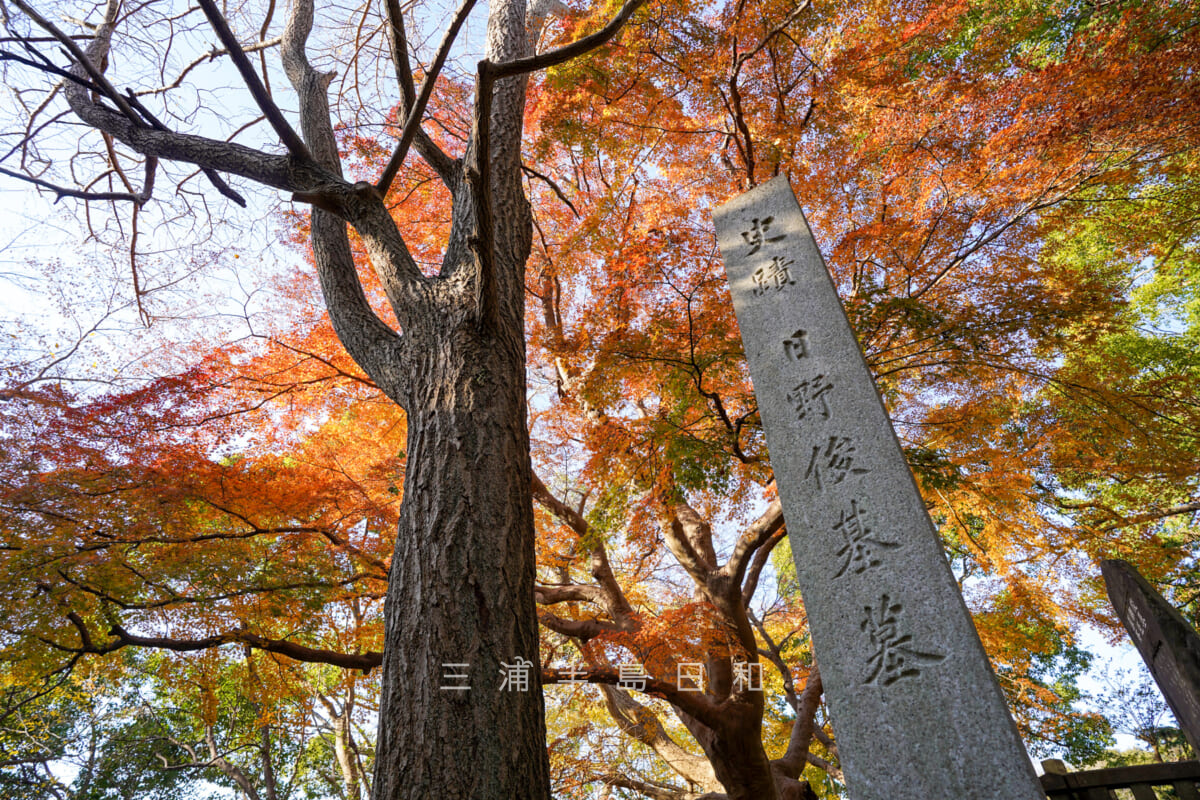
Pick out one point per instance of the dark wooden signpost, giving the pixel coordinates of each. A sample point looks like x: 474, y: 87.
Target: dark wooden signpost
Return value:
x: 1168, y: 644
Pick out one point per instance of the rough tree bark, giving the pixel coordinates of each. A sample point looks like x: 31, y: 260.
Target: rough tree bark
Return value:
x: 461, y: 583
x: 461, y: 587
x: 462, y: 576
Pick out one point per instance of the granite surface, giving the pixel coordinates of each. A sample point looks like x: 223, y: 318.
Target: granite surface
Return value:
x: 916, y: 710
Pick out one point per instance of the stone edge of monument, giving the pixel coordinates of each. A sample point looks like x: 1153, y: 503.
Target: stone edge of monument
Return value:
x: 1008, y: 746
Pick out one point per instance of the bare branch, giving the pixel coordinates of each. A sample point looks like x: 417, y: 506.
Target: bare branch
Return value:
x: 417, y: 109
x: 399, y: 51
x: 276, y: 171
x: 82, y: 58
x: 283, y: 129
x: 371, y: 342
x: 212, y: 55
x: 443, y: 164
x: 217, y: 181
x: 45, y: 66
x: 24, y: 39
x: 63, y: 191
x: 565, y: 53
x: 558, y: 508
x: 363, y: 661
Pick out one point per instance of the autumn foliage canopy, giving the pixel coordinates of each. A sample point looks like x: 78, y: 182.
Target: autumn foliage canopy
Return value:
x: 1007, y: 196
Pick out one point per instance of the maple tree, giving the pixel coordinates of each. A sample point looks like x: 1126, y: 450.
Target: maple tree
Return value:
x: 954, y: 192
x: 151, y: 526
x: 987, y: 183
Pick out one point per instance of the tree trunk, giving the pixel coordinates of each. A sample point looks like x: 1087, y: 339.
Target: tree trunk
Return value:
x: 461, y: 584
x: 462, y: 575
x: 345, y: 755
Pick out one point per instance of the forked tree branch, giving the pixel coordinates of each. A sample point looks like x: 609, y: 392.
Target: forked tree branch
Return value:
x: 291, y: 140
x: 689, y: 538
x: 398, y: 42
x: 82, y: 59
x: 127, y: 127
x: 478, y: 168
x: 416, y: 109
x: 217, y: 181
x: 750, y: 582
x: 752, y: 539
x: 371, y: 342
x: 611, y: 594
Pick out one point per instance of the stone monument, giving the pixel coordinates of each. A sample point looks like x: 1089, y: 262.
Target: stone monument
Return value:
x: 916, y: 710
x: 1167, y: 643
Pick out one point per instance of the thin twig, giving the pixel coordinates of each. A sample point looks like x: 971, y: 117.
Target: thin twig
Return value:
x: 209, y: 57
x: 62, y: 191
x: 212, y: 175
